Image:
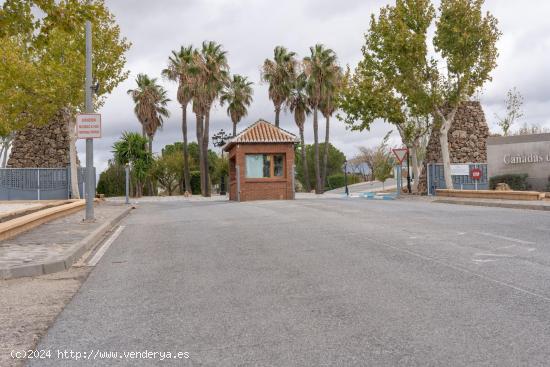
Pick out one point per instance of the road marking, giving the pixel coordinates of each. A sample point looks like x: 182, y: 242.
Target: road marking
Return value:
x: 464, y: 270
x: 507, y: 238
x: 99, y: 254
x: 494, y: 255
x: 483, y: 261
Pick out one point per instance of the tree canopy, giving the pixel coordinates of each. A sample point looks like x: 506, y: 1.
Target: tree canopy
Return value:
x: 42, y: 58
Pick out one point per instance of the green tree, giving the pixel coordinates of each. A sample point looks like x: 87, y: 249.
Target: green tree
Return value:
x: 335, y: 163
x: 409, y: 84
x: 180, y: 70
x: 150, y: 105
x: 132, y: 149
x: 279, y: 73
x: 210, y: 72
x: 166, y: 170
x: 298, y: 104
x: 112, y: 181
x: 513, y: 103
x: 238, y: 96
x: 42, y: 53
x: 383, y: 161
x: 320, y: 71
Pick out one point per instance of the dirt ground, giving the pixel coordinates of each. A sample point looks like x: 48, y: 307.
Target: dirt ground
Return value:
x: 28, y: 306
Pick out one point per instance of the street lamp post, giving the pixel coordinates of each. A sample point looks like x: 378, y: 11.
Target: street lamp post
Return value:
x: 346, y: 176
x: 127, y: 171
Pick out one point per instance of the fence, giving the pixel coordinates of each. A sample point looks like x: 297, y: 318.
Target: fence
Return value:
x: 436, y: 178
x: 38, y: 183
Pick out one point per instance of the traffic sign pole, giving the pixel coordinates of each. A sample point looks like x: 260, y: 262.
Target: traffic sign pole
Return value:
x: 90, y: 187
x: 400, y: 154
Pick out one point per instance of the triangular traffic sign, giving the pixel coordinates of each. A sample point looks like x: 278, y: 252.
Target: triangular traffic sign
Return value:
x: 400, y: 154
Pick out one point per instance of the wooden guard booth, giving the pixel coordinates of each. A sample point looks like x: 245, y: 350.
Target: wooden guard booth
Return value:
x: 261, y: 163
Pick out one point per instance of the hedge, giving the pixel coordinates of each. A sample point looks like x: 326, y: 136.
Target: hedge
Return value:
x: 517, y: 182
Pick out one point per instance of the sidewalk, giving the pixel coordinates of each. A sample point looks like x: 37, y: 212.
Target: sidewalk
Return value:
x: 56, y: 245
x: 497, y: 203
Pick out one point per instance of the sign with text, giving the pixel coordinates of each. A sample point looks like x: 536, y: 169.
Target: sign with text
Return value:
x: 476, y: 174
x: 400, y: 154
x: 460, y: 169
x: 88, y: 126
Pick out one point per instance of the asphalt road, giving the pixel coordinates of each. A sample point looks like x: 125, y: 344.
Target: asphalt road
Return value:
x: 336, y: 282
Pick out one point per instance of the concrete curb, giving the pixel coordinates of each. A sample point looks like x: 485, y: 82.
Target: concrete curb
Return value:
x: 495, y: 205
x: 70, y: 256
x: 14, y: 227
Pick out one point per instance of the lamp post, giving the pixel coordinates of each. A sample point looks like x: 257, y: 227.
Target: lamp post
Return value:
x: 409, y: 172
x: 127, y: 171
x: 346, y: 176
x: 89, y: 89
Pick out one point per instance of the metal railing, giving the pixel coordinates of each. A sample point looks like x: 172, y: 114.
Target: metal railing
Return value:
x: 38, y: 183
x: 436, y: 178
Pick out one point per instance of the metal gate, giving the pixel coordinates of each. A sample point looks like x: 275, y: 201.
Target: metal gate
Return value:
x: 38, y: 183
x: 436, y: 178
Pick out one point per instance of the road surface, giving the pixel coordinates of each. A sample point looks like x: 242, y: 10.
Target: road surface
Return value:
x: 336, y: 282
x: 373, y: 186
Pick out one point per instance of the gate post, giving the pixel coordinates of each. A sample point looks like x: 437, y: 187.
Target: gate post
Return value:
x: 38, y: 181
x: 293, y: 181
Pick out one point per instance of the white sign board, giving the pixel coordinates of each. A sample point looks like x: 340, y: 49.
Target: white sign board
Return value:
x: 460, y: 169
x: 88, y: 126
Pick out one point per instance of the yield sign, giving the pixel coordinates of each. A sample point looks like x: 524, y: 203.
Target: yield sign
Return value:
x: 400, y: 154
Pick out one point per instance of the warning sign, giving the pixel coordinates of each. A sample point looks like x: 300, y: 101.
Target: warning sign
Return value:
x: 400, y: 154
x: 88, y: 126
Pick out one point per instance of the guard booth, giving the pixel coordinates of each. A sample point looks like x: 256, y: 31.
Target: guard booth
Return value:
x: 261, y: 163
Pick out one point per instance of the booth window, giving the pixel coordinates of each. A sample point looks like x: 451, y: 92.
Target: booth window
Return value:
x: 264, y: 165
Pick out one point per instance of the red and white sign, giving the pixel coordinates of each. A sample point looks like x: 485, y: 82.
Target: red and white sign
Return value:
x: 476, y: 174
x: 400, y: 154
x: 88, y: 126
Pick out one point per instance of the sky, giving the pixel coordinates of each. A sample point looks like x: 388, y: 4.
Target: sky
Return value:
x: 250, y: 29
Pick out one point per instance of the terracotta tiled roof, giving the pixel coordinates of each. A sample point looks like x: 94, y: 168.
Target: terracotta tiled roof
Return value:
x: 262, y: 132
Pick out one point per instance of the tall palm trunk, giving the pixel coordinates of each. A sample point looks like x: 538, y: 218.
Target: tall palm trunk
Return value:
x: 277, y: 114
x: 205, y: 140
x: 186, y: 174
x: 199, y: 143
x: 149, y: 181
x: 305, y: 169
x: 234, y: 128
x: 318, y: 189
x: 325, y: 153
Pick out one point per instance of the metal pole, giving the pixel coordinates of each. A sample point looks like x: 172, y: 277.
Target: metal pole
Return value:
x: 346, y: 177
x: 127, y: 169
x: 90, y: 188
x: 399, y: 184
x: 409, y: 189
x: 38, y: 177
x: 293, y: 173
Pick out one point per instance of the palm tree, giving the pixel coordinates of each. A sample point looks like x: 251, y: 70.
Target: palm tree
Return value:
x: 179, y: 69
x: 328, y: 106
x: 210, y: 76
x: 298, y: 104
x: 319, y: 70
x: 279, y: 73
x: 132, y: 149
x: 150, y: 108
x: 150, y: 105
x: 238, y: 95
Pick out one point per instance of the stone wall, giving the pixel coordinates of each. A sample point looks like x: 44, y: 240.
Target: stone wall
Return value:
x: 467, y: 140
x: 43, y: 147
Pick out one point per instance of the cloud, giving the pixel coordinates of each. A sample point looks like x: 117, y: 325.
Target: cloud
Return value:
x: 249, y: 30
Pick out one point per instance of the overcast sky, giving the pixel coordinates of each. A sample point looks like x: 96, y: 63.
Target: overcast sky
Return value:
x: 250, y: 29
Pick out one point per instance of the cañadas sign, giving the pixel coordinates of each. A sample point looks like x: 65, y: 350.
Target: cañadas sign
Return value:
x: 88, y: 126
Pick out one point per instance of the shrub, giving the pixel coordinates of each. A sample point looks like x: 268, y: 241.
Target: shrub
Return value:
x: 195, y: 182
x: 339, y: 180
x: 516, y: 182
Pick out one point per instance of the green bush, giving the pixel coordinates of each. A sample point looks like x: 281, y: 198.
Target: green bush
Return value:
x: 516, y: 182
x: 195, y: 182
x: 338, y: 180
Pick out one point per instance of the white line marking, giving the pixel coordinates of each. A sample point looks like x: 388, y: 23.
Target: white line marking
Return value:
x: 464, y: 270
x: 507, y: 238
x: 494, y: 255
x: 99, y: 254
x: 506, y: 247
x: 483, y: 261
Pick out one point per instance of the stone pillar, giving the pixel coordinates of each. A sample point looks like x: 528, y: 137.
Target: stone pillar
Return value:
x: 43, y: 147
x: 467, y: 140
